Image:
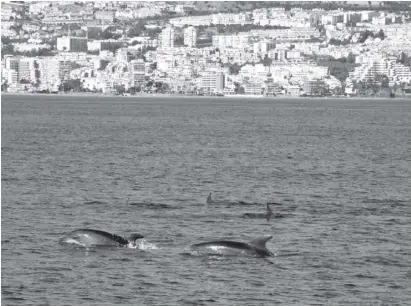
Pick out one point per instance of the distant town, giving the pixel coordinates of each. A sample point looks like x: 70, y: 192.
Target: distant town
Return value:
x: 276, y: 48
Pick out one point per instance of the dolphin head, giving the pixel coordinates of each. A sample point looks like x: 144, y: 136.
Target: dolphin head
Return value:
x: 259, y: 245
x: 133, y: 237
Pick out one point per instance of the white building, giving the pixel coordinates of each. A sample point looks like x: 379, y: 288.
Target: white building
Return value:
x: 167, y: 37
x: 190, y: 36
x: 138, y: 72
x: 72, y: 44
x: 239, y: 41
x: 212, y: 82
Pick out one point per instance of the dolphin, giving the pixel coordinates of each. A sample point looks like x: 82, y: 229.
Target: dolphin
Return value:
x: 269, y: 214
x: 92, y: 237
x: 255, y: 247
x: 209, y: 199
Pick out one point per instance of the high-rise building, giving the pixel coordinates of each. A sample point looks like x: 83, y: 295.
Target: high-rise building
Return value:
x: 213, y: 82
x: 26, y: 69
x: 12, y: 62
x: 64, y: 69
x: 190, y: 36
x: 12, y: 66
x: 72, y: 44
x: 167, y: 37
x: 138, y: 70
x: 314, y: 87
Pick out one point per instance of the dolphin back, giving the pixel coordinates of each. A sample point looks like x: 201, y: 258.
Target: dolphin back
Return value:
x: 223, y: 243
x: 96, y: 237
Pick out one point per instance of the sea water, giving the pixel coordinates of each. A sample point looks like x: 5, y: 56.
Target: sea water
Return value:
x: 341, y: 169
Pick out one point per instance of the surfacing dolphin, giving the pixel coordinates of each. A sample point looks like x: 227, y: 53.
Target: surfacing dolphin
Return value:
x: 92, y: 237
x: 269, y: 214
x: 255, y: 247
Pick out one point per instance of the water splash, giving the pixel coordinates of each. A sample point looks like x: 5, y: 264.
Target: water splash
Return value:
x: 72, y: 241
x: 142, y: 244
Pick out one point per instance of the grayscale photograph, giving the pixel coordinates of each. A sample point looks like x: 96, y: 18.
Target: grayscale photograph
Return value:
x: 246, y: 153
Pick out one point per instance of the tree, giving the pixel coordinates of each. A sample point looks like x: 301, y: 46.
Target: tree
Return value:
x: 136, y: 30
x: 179, y: 41
x: 364, y: 36
x: 404, y: 59
x: 7, y: 49
x: 71, y: 85
x: 133, y: 90
x: 234, y: 68
x: 4, y: 86
x: 266, y: 61
x: 380, y: 34
x: 335, y: 42
x: 107, y: 34
x: 120, y: 89
x: 153, y: 66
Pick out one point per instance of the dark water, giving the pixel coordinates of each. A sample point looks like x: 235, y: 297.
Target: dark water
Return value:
x: 341, y: 168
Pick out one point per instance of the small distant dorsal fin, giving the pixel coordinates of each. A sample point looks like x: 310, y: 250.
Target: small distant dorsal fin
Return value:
x: 260, y: 242
x: 209, y: 199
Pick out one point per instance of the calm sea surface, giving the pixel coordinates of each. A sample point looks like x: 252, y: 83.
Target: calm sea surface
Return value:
x: 341, y: 168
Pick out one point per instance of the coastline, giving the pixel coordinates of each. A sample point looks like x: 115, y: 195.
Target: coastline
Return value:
x: 170, y: 96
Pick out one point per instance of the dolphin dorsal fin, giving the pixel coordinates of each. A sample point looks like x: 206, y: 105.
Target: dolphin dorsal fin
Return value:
x: 209, y: 199
x: 260, y: 242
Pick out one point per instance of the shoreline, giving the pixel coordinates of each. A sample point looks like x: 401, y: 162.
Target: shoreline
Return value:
x: 170, y: 96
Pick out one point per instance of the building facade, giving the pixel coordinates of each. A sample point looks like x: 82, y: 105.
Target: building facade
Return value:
x: 72, y: 44
x: 190, y: 36
x: 167, y: 37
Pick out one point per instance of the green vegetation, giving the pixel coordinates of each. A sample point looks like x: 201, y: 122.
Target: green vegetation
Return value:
x: 71, y: 85
x: 404, y: 59
x: 137, y: 29
x: 376, y: 87
x: 338, y: 68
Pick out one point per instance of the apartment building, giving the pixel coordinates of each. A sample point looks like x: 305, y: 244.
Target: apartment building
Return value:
x: 238, y: 41
x: 138, y: 72
x: 212, y: 82
x: 314, y: 87
x: 72, y: 44
x: 190, y: 37
x: 167, y: 37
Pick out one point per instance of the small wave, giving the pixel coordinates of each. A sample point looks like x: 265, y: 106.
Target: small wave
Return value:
x: 395, y: 287
x: 364, y: 276
x: 94, y: 202
x: 253, y: 215
x: 391, y: 202
x: 152, y: 205
x: 261, y: 216
x: 9, y: 179
x: 121, y: 259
